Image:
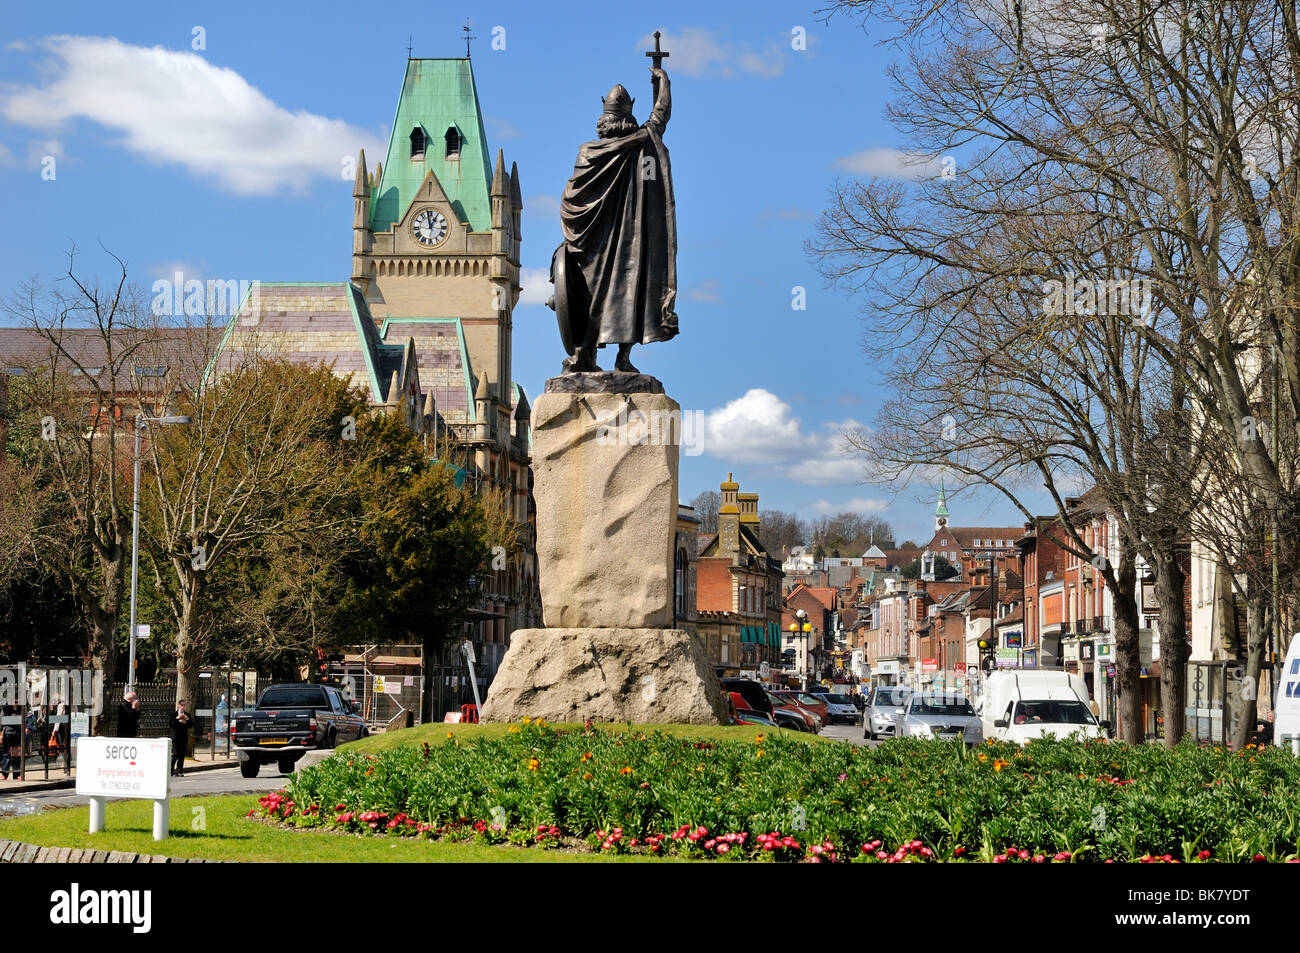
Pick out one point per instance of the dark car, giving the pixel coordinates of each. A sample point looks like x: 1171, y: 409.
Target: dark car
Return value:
x: 755, y: 696
x: 290, y: 720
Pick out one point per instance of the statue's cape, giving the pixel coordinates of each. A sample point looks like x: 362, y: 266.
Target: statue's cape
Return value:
x: 620, y: 229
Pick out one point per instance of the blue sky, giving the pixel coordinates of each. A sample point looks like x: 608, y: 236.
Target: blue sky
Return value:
x: 224, y: 161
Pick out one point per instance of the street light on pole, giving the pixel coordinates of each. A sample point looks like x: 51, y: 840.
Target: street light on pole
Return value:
x: 806, y: 627
x: 140, y: 421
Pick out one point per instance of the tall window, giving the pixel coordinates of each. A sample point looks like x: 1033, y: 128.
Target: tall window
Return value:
x: 453, y: 140
x: 679, y: 583
x: 417, y: 143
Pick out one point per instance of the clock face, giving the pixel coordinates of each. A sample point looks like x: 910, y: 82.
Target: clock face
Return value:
x: 430, y: 227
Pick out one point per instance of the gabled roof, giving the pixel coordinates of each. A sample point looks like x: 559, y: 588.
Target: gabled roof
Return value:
x: 444, y: 365
x: 437, y: 94
x: 142, y: 359
x: 312, y: 323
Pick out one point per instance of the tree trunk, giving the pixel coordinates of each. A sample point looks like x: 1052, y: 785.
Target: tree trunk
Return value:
x: 189, y: 651
x: 1170, y: 580
x: 1245, y: 711
x: 1128, y: 663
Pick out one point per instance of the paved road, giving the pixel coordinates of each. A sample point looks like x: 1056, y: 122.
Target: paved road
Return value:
x: 849, y: 733
x: 194, y: 784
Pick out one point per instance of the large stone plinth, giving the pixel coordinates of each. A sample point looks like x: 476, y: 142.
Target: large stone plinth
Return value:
x: 605, y: 485
x: 618, y: 675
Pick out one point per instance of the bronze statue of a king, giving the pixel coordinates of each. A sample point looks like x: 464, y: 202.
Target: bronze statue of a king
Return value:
x: 615, y: 273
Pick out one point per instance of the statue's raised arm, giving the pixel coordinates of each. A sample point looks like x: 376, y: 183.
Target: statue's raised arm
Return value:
x: 663, y: 106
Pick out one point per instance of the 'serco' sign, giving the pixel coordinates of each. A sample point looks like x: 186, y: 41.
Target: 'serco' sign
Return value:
x: 123, y: 767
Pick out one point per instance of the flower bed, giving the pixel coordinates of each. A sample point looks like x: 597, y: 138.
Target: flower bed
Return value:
x: 774, y: 799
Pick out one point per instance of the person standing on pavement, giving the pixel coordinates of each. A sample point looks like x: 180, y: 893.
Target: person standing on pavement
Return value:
x: 11, y: 739
x: 180, y: 723
x: 128, y: 715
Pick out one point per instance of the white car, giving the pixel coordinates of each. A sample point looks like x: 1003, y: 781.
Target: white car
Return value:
x: 838, y: 707
x: 941, y: 717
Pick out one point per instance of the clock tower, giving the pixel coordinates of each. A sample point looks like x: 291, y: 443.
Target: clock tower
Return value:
x: 436, y: 232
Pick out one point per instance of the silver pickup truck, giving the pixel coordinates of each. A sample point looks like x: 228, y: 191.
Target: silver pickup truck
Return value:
x: 289, y: 721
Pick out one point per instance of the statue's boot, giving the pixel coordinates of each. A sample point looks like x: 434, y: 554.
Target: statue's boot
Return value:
x: 622, y: 363
x: 584, y: 359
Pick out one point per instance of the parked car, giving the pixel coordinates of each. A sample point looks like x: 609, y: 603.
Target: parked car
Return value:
x: 790, y: 716
x: 884, y: 705
x: 942, y: 717
x: 816, y: 711
x: 755, y: 696
x: 740, y: 715
x: 811, y: 718
x: 289, y: 721
x: 810, y: 702
x: 840, y: 707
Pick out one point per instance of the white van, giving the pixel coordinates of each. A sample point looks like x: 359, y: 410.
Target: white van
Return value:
x: 1286, y: 707
x: 1021, y: 705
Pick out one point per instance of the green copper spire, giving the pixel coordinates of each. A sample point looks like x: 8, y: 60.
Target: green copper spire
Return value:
x: 438, y: 98
x: 942, y: 508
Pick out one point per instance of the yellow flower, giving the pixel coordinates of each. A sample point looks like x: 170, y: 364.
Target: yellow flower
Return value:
x: 449, y: 735
x: 587, y: 776
x: 528, y: 721
x: 999, y: 764
x: 699, y: 767
x: 760, y: 753
x: 626, y: 770
x: 533, y: 764
x: 586, y: 757
x: 513, y: 729
x: 758, y: 738
x: 984, y: 757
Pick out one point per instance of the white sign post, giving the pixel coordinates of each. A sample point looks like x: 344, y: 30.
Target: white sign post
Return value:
x: 125, y: 768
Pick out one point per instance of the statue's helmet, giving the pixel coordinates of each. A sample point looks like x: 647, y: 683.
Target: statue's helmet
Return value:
x: 618, y: 102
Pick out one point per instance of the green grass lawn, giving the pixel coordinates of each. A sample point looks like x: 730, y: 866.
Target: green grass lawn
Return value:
x: 230, y: 835
x: 437, y: 733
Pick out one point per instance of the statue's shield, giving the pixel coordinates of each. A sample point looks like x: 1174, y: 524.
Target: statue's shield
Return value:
x: 568, y: 301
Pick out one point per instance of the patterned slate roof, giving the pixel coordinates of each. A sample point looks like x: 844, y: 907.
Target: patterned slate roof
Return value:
x: 310, y: 323
x: 440, y: 353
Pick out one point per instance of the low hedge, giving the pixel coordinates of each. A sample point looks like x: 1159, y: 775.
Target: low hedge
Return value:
x: 773, y: 798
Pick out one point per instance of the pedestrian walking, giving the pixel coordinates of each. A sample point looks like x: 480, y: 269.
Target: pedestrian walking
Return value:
x: 128, y: 715
x: 180, y: 724
x: 11, y: 740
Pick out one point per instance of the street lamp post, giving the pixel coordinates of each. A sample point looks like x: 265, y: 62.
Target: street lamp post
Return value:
x: 140, y: 421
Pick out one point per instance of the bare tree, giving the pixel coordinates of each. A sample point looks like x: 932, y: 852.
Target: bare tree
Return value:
x: 1107, y: 138
x: 76, y: 385
x: 706, y: 510
x: 263, y: 461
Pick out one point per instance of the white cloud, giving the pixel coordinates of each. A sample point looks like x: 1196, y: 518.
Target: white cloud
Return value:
x: 17, y: 46
x: 535, y: 285
x: 756, y: 428
x: 705, y: 291
x: 859, y: 504
x: 890, y: 164
x: 699, y: 52
x: 6, y: 157
x: 176, y: 107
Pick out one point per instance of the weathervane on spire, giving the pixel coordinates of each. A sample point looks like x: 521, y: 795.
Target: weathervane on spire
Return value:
x: 409, y: 45
x: 465, y: 29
